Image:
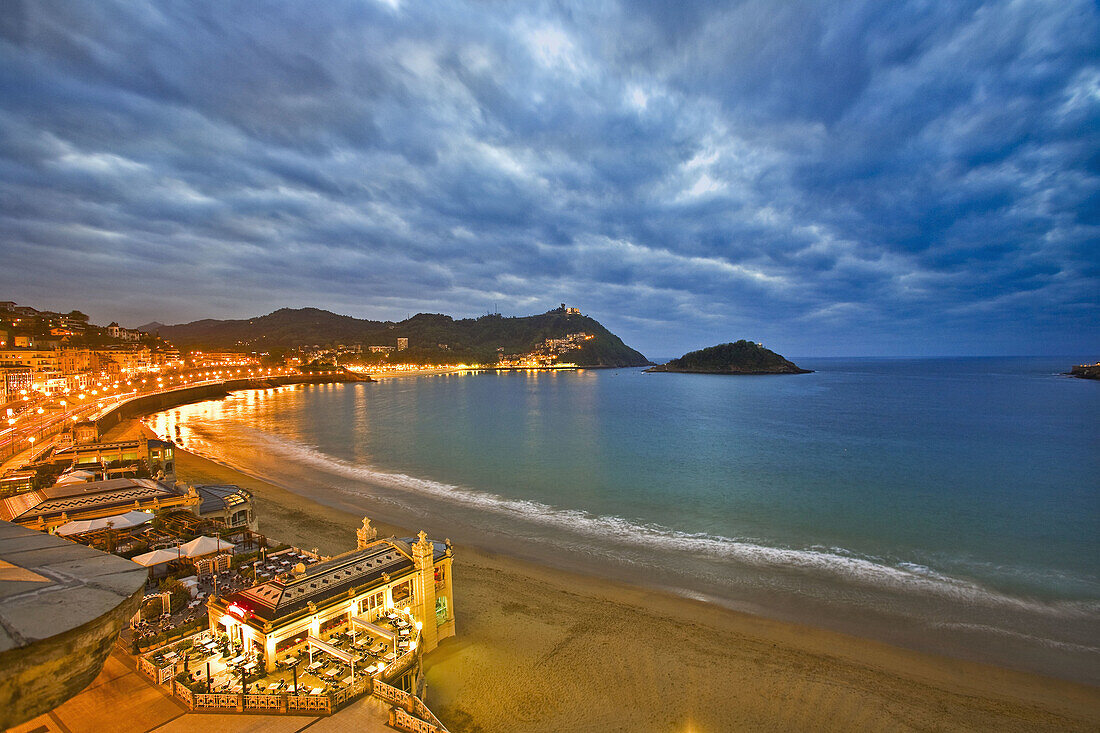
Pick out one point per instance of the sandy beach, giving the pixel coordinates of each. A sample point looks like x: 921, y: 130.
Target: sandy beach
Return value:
x: 545, y: 650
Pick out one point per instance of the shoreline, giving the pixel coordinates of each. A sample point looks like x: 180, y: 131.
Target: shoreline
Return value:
x: 676, y: 661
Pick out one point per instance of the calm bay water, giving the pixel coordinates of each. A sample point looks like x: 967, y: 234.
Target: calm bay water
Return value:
x: 949, y: 505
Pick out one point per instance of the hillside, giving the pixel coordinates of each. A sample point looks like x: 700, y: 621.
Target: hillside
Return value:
x: 742, y: 357
x: 433, y: 337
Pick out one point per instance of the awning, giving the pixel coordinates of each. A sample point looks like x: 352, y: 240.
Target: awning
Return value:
x: 337, y: 652
x: 74, y: 477
x: 372, y: 629
x: 156, y: 557
x: 120, y: 521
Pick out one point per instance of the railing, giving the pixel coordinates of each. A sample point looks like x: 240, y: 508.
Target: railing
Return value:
x: 404, y: 721
x: 389, y: 693
x: 160, y: 675
x: 309, y: 703
x: 421, y: 711
x: 352, y: 692
x: 183, y: 692
x: 147, y: 668
x: 411, y: 714
x: 215, y: 701
x: 263, y: 702
x: 267, y: 702
x: 400, y: 662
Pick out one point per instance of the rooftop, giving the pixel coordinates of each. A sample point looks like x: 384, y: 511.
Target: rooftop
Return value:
x: 284, y: 596
x: 216, y: 497
x: 74, y: 497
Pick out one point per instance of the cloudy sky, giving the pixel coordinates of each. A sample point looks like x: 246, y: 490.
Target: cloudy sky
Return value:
x: 826, y: 177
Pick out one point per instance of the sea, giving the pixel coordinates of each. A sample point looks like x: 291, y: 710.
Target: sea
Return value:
x: 947, y: 505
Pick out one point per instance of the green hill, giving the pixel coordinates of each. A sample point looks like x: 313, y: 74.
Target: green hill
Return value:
x: 742, y: 357
x: 433, y: 337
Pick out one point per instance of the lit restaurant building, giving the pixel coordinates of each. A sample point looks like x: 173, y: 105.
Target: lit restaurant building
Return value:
x: 278, y: 618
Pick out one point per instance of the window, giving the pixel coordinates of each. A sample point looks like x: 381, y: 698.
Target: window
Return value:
x: 440, y: 610
x: 293, y: 641
x: 332, y: 623
x: 402, y: 592
x: 439, y: 577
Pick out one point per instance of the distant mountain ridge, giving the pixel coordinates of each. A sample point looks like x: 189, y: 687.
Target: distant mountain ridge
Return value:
x: 432, y: 336
x: 740, y: 357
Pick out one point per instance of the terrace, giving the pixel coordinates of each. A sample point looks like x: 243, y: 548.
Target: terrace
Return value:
x: 208, y: 671
x: 157, y: 626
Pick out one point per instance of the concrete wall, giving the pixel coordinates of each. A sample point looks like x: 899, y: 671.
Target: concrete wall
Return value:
x: 62, y: 606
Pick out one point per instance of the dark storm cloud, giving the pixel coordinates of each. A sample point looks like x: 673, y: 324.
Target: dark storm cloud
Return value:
x: 825, y: 177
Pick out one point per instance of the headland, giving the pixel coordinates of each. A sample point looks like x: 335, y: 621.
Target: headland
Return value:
x: 1085, y: 371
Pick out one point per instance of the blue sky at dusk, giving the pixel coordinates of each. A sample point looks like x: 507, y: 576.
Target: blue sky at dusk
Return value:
x: 829, y: 178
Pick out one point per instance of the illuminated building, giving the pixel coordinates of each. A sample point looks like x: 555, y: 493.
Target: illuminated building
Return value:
x: 117, y: 456
x: 273, y: 620
x: 45, y: 509
x: 227, y: 503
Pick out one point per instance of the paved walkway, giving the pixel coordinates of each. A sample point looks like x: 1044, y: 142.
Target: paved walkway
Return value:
x: 122, y: 701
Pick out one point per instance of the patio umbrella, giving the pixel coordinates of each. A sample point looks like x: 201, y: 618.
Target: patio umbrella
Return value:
x: 204, y: 546
x: 156, y: 557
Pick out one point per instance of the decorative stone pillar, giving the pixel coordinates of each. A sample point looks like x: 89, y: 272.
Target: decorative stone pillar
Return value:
x: 365, y: 534
x: 423, y: 552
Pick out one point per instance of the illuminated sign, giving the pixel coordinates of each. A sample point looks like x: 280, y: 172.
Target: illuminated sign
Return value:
x: 237, y: 611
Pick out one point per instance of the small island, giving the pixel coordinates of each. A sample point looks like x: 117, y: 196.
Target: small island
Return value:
x: 742, y: 357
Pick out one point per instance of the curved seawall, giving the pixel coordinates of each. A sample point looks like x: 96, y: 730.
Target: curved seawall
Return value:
x: 150, y: 403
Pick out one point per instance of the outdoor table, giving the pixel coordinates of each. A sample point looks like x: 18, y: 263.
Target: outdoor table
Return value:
x: 273, y: 687
x: 403, y: 632
x: 250, y: 666
x: 314, y: 667
x: 236, y: 660
x: 390, y: 657
x: 290, y: 661
x: 316, y: 691
x: 331, y: 674
x: 347, y: 680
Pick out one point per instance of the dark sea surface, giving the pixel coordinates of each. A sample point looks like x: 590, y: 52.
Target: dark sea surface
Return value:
x: 950, y: 505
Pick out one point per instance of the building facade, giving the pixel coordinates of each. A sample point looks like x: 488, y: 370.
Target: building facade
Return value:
x: 275, y: 619
x: 47, y: 509
x: 229, y: 504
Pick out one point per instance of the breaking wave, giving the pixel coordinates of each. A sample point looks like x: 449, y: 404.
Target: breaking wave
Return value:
x: 837, y: 563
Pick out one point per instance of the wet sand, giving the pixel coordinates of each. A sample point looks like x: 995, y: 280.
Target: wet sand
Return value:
x: 545, y: 650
